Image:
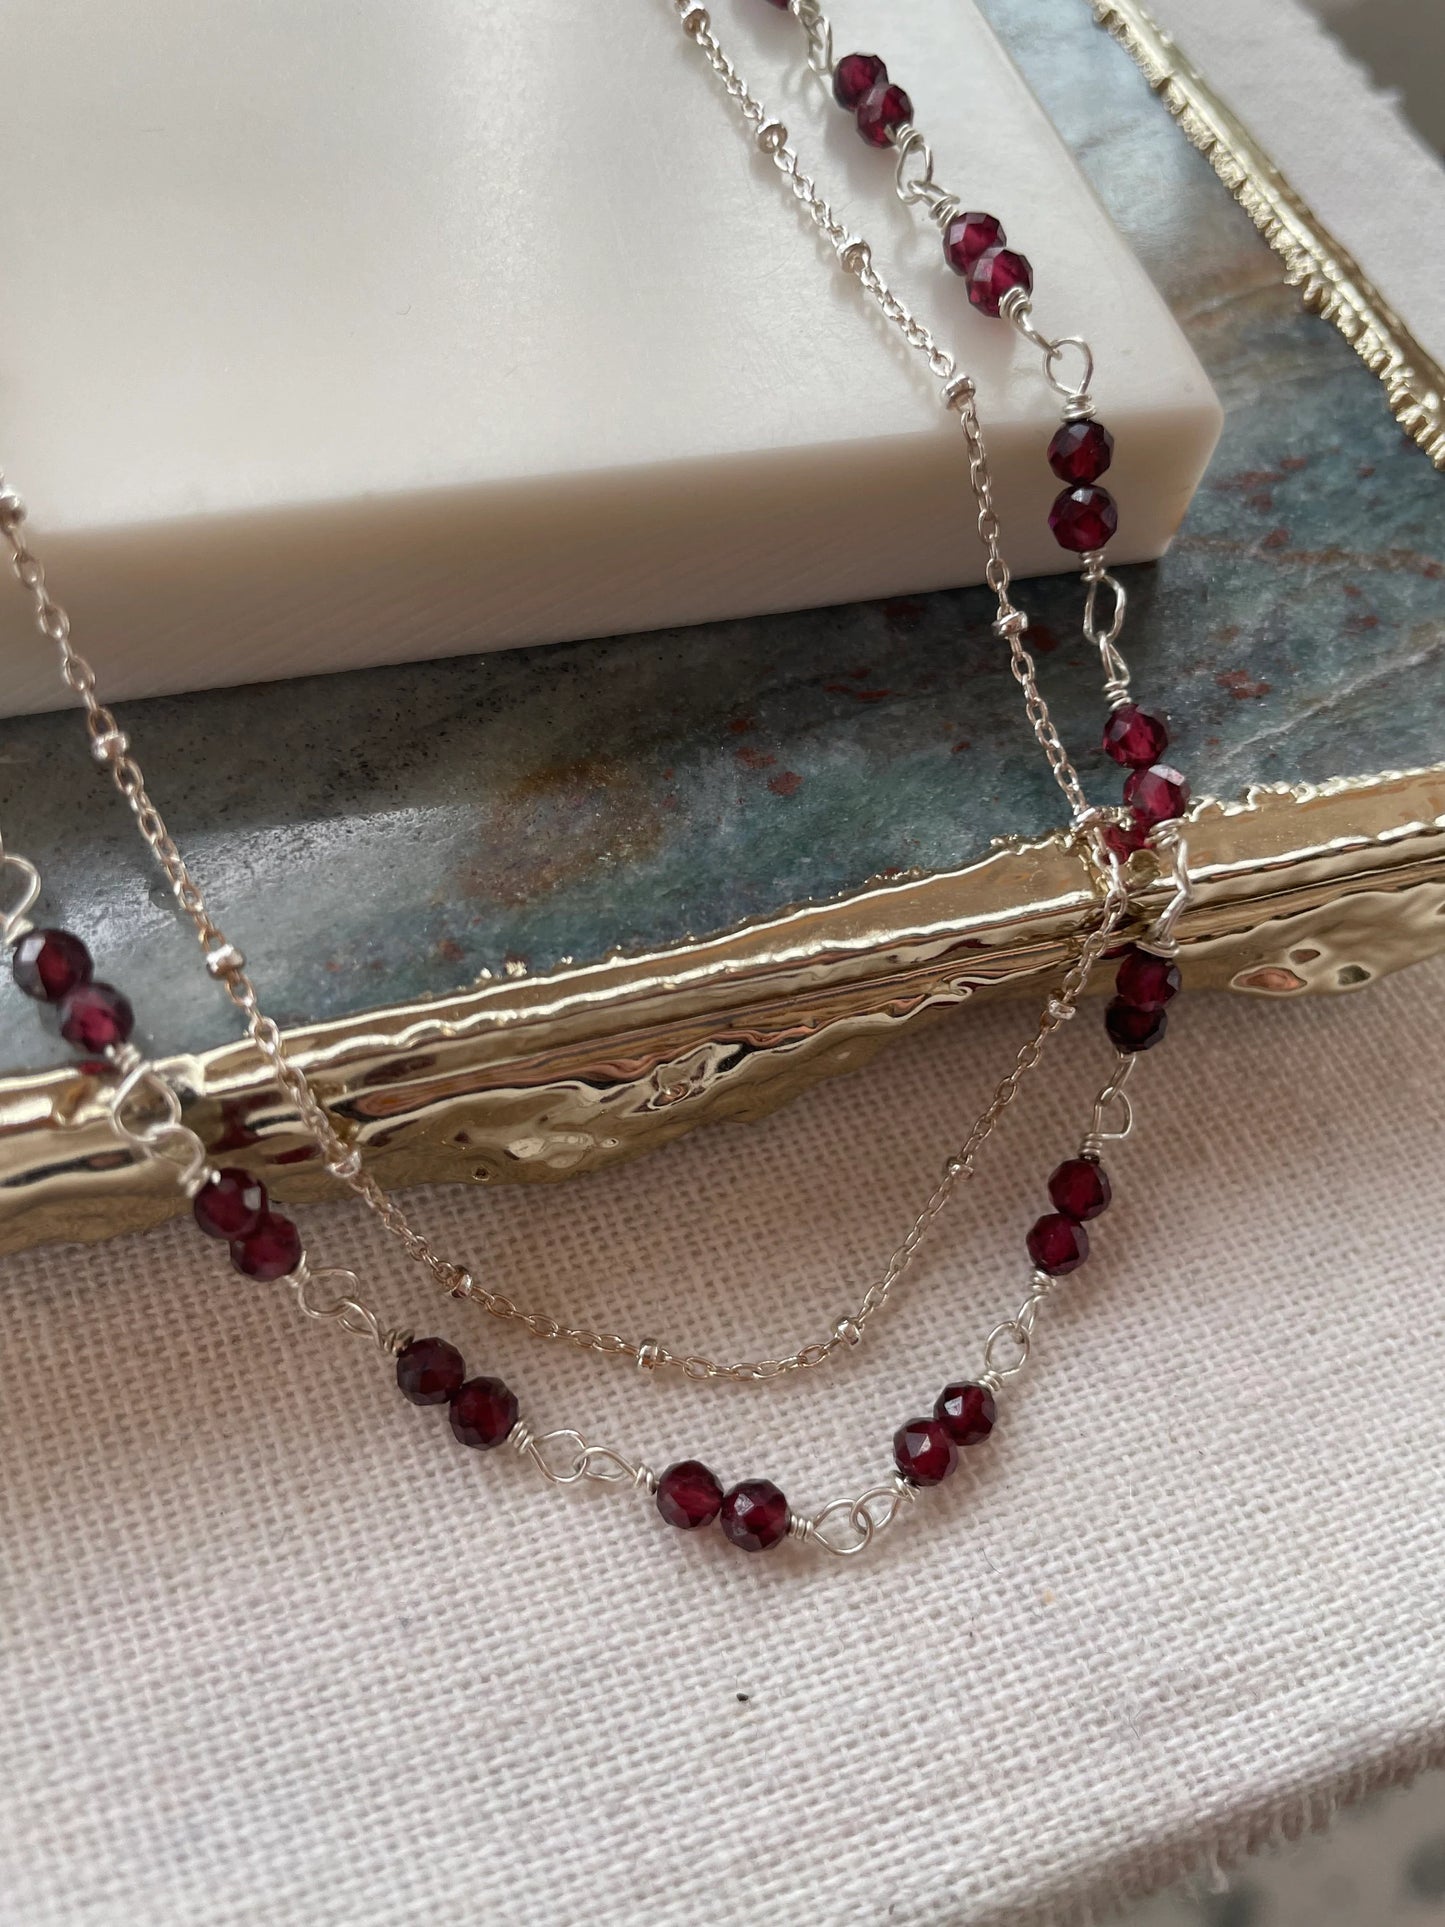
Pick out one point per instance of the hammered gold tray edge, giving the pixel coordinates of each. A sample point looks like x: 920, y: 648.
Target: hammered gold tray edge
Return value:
x: 1299, y: 890
x: 1330, y: 281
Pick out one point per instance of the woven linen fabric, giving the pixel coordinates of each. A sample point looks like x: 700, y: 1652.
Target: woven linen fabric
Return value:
x: 276, y: 1650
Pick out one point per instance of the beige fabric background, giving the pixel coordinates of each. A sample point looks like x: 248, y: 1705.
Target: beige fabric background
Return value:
x: 275, y: 1650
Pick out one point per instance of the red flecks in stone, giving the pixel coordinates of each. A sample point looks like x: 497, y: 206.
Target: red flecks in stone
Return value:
x: 1276, y: 539
x: 960, y: 746
x: 1241, y: 685
x: 740, y: 725
x: 1361, y: 625
x: 904, y: 612
x: 755, y: 758
x: 449, y: 950
x: 1365, y: 471
x: 1292, y: 464
x: 787, y: 782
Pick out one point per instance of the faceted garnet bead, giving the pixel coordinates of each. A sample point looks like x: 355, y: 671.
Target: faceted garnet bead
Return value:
x: 483, y: 1413
x: 49, y: 964
x: 856, y: 75
x: 1135, y: 737
x: 995, y: 273
x: 1058, y: 1244
x: 95, y: 1016
x: 270, y: 1250
x: 881, y: 111
x: 429, y: 1371
x: 688, y: 1495
x: 1146, y: 981
x: 1081, y: 451
x: 1083, y: 518
x: 1080, y: 1189
x: 924, y: 1451
x: 1124, y: 839
x: 1132, y: 1029
x: 229, y: 1204
x: 755, y: 1515
x: 1157, y: 794
x: 966, y: 1412
x: 967, y: 236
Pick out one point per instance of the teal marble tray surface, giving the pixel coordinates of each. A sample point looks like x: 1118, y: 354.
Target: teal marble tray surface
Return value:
x: 375, y: 837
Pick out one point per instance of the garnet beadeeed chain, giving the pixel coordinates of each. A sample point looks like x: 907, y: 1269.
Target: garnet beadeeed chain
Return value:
x: 54, y: 967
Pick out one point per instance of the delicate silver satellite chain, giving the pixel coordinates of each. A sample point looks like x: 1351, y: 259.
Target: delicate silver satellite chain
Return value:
x: 146, y: 1109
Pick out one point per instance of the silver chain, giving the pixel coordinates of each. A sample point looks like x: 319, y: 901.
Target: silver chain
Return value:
x: 111, y: 748
x: 146, y: 1110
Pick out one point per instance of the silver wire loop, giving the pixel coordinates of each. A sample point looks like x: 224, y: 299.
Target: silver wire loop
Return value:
x: 146, y: 1113
x: 14, y: 916
x: 345, y: 1310
x: 1169, y: 840
x: 815, y: 25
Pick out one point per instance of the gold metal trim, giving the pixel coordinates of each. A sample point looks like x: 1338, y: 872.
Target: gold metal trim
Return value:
x: 533, y: 1079
x: 1330, y: 281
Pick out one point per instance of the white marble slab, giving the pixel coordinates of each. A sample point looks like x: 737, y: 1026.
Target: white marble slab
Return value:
x: 341, y: 334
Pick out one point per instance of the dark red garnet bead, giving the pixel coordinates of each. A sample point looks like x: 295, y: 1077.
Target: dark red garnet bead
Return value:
x: 967, y: 236
x: 1058, y: 1244
x: 429, y: 1371
x: 881, y: 111
x: 995, y: 273
x: 856, y: 75
x: 924, y: 1451
x: 229, y: 1204
x: 269, y: 1251
x: 484, y: 1411
x: 1133, y: 1029
x: 95, y: 1016
x: 1135, y: 737
x: 688, y: 1495
x: 1080, y: 1189
x: 1081, y: 451
x: 1084, y: 518
x: 755, y: 1515
x: 49, y: 964
x: 1125, y: 838
x: 1157, y: 794
x: 966, y: 1412
x: 1146, y: 981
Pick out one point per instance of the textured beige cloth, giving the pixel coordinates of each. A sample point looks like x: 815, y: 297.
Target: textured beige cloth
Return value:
x: 276, y: 1651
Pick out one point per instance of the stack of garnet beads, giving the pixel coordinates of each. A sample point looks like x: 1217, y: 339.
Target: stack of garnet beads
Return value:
x: 1058, y: 1242
x: 233, y: 1205
x: 1084, y: 516
x: 926, y: 1450
x: 483, y: 1411
x: 861, y: 84
x: 1154, y: 792
x: 54, y: 967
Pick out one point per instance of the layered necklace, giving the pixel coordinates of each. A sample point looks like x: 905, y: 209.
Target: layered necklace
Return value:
x: 1135, y: 844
